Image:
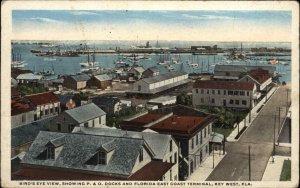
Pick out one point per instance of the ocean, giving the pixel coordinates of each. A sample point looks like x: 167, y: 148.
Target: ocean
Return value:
x: 71, y: 65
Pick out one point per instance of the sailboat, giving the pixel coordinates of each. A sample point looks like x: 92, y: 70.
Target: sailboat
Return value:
x: 17, y: 61
x: 88, y: 63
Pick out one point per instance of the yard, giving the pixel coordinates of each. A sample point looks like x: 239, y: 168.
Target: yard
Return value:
x: 286, y: 171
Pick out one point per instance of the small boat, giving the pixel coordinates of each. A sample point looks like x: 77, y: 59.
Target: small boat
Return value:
x: 194, y: 65
x: 170, y: 68
x: 163, y: 63
x: 17, y: 61
x: 283, y: 63
x: 48, y: 45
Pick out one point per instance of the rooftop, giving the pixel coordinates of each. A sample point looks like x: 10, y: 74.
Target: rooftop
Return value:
x: 79, y: 148
x: 85, y: 112
x: 162, y: 99
x: 228, y: 85
x: 29, y: 76
x: 162, y: 77
x: 242, y: 68
x: 260, y: 75
x: 139, y: 69
x: 26, y: 133
x: 19, y: 106
x: 42, y: 98
x: 147, y: 118
x: 80, y: 77
x: 103, y: 77
x: 105, y: 100
x: 15, y: 71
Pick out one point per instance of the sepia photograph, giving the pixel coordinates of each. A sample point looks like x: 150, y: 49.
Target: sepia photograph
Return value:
x: 149, y: 94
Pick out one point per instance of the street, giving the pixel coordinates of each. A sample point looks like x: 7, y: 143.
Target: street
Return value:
x: 259, y: 136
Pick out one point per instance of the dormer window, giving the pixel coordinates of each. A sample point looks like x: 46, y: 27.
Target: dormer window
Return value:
x: 50, y: 152
x: 141, y: 157
x: 101, y: 157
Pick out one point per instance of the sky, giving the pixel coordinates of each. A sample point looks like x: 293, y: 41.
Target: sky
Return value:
x: 265, y: 26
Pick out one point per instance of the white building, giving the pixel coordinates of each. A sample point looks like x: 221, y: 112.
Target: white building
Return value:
x: 160, y: 83
x: 224, y: 94
x: 89, y: 115
x: 162, y: 101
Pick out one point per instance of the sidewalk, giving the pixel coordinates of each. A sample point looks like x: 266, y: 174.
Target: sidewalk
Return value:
x: 254, y: 113
x: 273, y: 170
x: 206, y: 168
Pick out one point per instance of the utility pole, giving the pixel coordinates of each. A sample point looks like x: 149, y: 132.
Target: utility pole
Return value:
x: 274, y: 138
x: 287, y: 100
x: 213, y: 155
x: 279, y: 119
x: 249, y: 163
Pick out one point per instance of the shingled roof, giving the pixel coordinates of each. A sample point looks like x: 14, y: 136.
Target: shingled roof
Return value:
x: 79, y: 148
x: 228, y: 85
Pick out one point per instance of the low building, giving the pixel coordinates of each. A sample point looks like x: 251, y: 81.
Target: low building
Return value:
x: 100, y: 81
x: 259, y: 77
x: 88, y: 115
x: 228, y: 94
x: 76, y: 82
x: 28, y: 78
x: 45, y: 104
x: 190, y: 128
x: 236, y: 72
x: 15, y: 72
x: 23, y: 136
x: 21, y: 112
x: 137, y: 72
x: 162, y: 101
x: 150, y: 72
x: 110, y: 105
x: 158, y: 84
x: 75, y: 156
x: 66, y: 102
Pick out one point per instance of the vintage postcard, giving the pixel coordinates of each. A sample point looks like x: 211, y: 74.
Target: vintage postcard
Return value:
x: 149, y: 94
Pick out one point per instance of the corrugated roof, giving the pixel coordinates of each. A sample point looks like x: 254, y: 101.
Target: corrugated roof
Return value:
x: 80, y: 77
x: 86, y: 112
x: 79, y: 148
x: 103, y: 77
x: 29, y: 76
x: 163, y: 77
x: 42, y: 98
x: 228, y: 85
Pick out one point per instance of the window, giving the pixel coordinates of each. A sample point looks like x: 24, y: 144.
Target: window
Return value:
x: 51, y: 110
x: 42, y: 113
x: 208, y: 129
x: 101, y: 157
x: 207, y: 91
x: 170, y: 159
x: 71, y: 127
x: 56, y: 109
x: 35, y: 117
x: 175, y: 157
x: 86, y: 124
x: 227, y: 73
x: 23, y: 118
x: 50, y: 152
x: 242, y: 93
x: 204, y: 132
x: 200, y: 137
x: 197, y: 91
x: 100, y: 121
x: 219, y: 92
x: 202, y: 91
x: 171, y: 147
x: 230, y: 92
x: 192, y: 143
x: 247, y: 93
x: 236, y: 93
x: 93, y: 123
x: 224, y: 92
x: 141, y: 157
x: 47, y: 112
x: 212, y: 100
x: 230, y: 101
x: 59, y: 127
x: 139, y: 88
x: 237, y: 102
x: 244, y: 102
x: 213, y: 91
x: 197, y: 140
x: 202, y: 100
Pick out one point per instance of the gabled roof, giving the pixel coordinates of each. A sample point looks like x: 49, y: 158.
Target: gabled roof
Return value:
x: 163, y: 77
x: 79, y: 148
x: 29, y: 76
x: 105, y: 100
x: 153, y: 69
x: 228, y: 85
x: 103, y: 77
x: 27, y: 133
x: 139, y: 69
x: 42, y: 98
x: 260, y: 75
x: 15, y: 72
x: 19, y: 106
x: 158, y: 143
x: 80, y: 77
x: 86, y: 112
